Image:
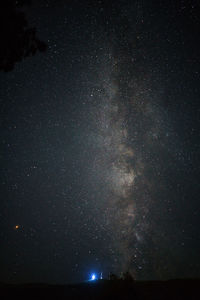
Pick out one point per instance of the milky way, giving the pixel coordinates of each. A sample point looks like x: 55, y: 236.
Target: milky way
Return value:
x: 116, y: 166
x: 129, y: 130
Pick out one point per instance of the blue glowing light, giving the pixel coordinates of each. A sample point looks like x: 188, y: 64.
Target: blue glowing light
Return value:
x: 93, y: 277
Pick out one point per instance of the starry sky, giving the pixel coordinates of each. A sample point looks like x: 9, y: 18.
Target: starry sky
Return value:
x: 99, y: 147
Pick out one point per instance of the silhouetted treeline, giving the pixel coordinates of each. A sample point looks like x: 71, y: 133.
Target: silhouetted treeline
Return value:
x: 17, y: 39
x: 126, y: 276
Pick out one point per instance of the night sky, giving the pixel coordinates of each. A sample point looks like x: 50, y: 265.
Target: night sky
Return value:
x: 100, y: 141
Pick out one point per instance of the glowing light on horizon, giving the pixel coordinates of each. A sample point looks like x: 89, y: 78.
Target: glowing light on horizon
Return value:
x: 93, y: 277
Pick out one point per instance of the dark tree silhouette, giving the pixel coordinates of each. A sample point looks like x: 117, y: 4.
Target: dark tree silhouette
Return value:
x: 113, y: 276
x: 127, y: 277
x: 17, y: 39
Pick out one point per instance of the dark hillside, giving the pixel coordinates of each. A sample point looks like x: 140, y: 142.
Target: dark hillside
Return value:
x: 119, y: 289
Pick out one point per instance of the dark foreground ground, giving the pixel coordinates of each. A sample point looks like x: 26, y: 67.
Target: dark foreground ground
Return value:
x: 105, y: 289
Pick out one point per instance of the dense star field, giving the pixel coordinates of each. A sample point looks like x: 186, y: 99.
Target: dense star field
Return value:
x: 100, y: 144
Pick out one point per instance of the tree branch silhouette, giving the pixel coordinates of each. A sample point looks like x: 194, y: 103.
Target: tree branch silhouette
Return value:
x: 18, y: 40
